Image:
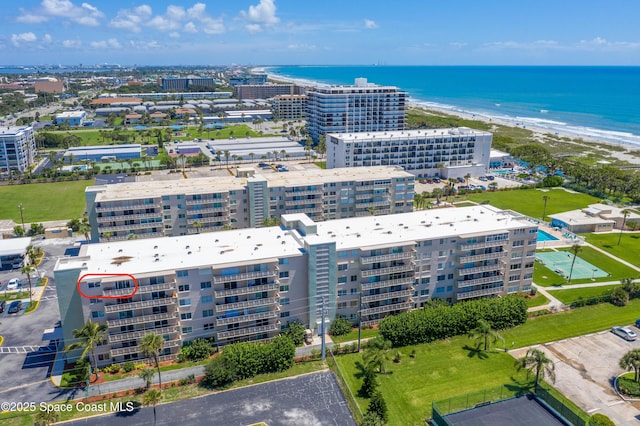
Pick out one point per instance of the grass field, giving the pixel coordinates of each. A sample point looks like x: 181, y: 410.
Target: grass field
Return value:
x: 440, y: 370
x: 43, y: 201
x: 530, y: 202
x: 538, y: 300
x: 628, y: 249
x: 571, y: 295
x: 545, y: 277
x: 353, y: 335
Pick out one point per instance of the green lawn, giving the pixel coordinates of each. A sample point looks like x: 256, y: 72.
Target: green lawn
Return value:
x: 545, y: 277
x: 440, y: 370
x: 627, y: 250
x: 571, y: 295
x: 43, y: 201
x: 538, y: 300
x: 353, y: 335
x: 530, y: 202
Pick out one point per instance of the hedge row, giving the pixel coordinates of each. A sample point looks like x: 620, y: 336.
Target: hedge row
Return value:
x: 440, y: 321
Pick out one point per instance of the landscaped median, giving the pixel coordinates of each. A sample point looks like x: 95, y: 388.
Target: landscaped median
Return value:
x: 34, y: 305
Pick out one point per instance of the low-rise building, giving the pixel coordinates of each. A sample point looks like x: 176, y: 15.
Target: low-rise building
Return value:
x: 245, y: 285
x: 596, y: 218
x: 71, y: 118
x: 103, y: 152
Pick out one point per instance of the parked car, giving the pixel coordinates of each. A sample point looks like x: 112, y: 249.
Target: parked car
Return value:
x: 638, y: 323
x: 461, y: 180
x: 14, y: 283
x: 3, y: 305
x: 625, y: 332
x: 490, y: 177
x: 15, y: 306
x: 483, y: 178
x: 436, y: 180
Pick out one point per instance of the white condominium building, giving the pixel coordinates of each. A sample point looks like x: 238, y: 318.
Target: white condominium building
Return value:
x: 448, y: 153
x: 364, y: 107
x: 17, y: 148
x: 181, y: 207
x: 247, y: 284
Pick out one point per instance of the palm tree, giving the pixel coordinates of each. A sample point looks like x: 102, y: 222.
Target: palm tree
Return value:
x: 493, y: 186
x: 483, y: 333
x: 575, y: 249
x: 89, y: 335
x: 625, y: 214
x: 375, y: 355
x: 226, y: 157
x: 251, y: 155
x: 26, y: 270
x: 437, y: 192
x: 150, y: 347
x: 219, y: 154
x: 35, y: 254
x: 196, y: 225
x: 545, y: 198
x: 371, y: 210
x: 85, y: 228
x: 147, y: 374
x: 151, y: 398
x: 467, y: 177
x: 107, y: 235
x: 535, y: 361
x: 631, y: 361
x: 47, y: 417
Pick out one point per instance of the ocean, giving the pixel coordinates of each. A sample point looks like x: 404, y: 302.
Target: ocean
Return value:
x: 592, y: 102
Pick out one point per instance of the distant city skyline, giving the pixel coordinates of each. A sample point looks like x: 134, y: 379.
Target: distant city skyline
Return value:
x: 283, y: 32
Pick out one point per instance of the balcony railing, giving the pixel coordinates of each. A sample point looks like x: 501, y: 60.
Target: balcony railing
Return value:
x: 243, y: 277
x: 142, y: 289
x: 479, y: 281
x: 223, y: 335
x: 387, y: 283
x: 478, y: 269
x: 247, y: 304
x: 479, y: 293
x: 136, y: 206
x: 207, y: 219
x: 142, y: 319
x: 114, y: 338
x: 129, y: 227
x: 309, y: 210
x: 476, y: 246
x: 387, y: 308
x: 384, y: 271
x: 385, y: 296
x: 374, y: 203
x: 246, y: 290
x: 247, y: 318
x: 136, y: 349
x: 303, y: 193
x: 304, y: 201
x: 105, y: 219
x: 486, y: 256
x: 206, y: 210
x: 121, y: 307
x: 207, y: 201
x: 386, y: 257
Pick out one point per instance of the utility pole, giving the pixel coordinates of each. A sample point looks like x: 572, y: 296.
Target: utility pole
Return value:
x: 359, y: 317
x: 324, y: 356
x: 22, y: 216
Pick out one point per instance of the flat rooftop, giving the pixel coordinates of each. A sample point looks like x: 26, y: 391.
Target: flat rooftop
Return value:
x: 13, y: 130
x: 401, y: 135
x: 136, y: 190
x: 13, y: 246
x: 578, y: 217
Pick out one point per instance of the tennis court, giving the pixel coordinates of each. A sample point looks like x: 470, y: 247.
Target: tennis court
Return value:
x: 560, y: 263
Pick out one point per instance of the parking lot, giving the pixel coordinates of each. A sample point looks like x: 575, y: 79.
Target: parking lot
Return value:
x: 585, y: 368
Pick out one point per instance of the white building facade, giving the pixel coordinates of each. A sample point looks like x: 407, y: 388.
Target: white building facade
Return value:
x: 17, y: 148
x: 245, y: 285
x: 448, y: 153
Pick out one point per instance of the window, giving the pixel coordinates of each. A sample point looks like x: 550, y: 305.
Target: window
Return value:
x: 97, y: 314
x: 93, y: 301
x: 353, y: 303
x: 439, y: 290
x: 515, y: 266
x: 206, y: 299
x: 284, y: 314
x: 284, y: 288
x: 343, y: 266
x: 514, y: 277
x: 206, y: 284
x: 518, y: 243
x: 440, y: 266
x: 183, y: 287
x: 354, y: 291
x: 425, y: 280
x: 209, y: 326
x: 343, y: 254
x: 424, y: 292
x: 284, y: 301
x: 207, y: 313
x: 93, y: 285
x: 342, y: 293
x: 284, y: 274
x: 450, y: 276
x: 441, y: 277
x: 185, y: 302
x: 342, y: 280
x: 185, y: 316
x: 182, y: 273
x: 187, y: 330
x: 283, y: 261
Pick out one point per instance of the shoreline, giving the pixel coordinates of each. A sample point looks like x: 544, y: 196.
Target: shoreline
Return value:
x: 540, y: 128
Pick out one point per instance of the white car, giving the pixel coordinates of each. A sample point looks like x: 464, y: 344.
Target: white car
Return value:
x: 624, y: 332
x: 13, y: 284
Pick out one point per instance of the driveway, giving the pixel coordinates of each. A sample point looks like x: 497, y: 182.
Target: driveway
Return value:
x: 585, y: 367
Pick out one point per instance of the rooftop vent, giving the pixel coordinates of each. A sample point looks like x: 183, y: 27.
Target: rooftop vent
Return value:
x: 187, y: 247
x: 119, y: 250
x: 216, y: 240
x: 188, y: 252
x: 155, y: 247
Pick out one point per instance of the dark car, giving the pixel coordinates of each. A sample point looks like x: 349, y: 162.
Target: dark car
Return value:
x: 15, y: 306
x: 461, y: 180
x: 3, y: 304
x: 638, y: 323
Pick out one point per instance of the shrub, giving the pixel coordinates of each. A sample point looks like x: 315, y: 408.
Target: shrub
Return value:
x: 600, y: 420
x: 378, y: 406
x: 340, y: 326
x: 295, y: 331
x: 619, y: 297
x: 369, y: 383
x: 217, y: 374
x: 140, y: 365
x: 129, y: 366
x: 196, y: 350
x: 112, y: 369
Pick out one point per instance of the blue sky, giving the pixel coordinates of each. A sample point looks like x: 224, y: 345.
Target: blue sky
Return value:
x: 271, y: 32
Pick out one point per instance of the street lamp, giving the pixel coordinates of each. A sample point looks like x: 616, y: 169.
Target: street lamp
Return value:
x: 22, y: 216
x: 593, y: 274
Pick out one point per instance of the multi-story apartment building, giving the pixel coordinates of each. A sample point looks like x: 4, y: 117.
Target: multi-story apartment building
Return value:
x: 181, y: 207
x: 173, y: 83
x: 289, y: 107
x: 263, y: 91
x: 364, y: 107
x: 444, y: 152
x: 246, y: 284
x: 17, y: 148
x: 251, y: 79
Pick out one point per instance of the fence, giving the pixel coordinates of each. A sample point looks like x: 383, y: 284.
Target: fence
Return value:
x: 562, y: 406
x: 471, y: 400
x: 351, y: 400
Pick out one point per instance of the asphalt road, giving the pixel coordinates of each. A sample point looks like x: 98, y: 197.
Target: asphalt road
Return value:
x: 310, y: 400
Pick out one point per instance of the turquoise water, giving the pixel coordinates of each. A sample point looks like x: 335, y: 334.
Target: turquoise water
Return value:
x: 599, y: 102
x: 545, y: 236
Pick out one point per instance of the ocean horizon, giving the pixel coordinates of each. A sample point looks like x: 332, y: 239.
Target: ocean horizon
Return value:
x: 594, y: 102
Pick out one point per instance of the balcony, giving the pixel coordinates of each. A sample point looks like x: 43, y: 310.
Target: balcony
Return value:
x: 384, y: 271
x: 387, y: 283
x: 142, y: 289
x: 374, y: 203
x: 303, y: 201
x: 130, y: 227
x: 207, y: 201
x: 142, y: 319
x: 206, y: 210
x: 224, y: 335
x: 387, y: 308
x: 105, y: 219
x: 387, y: 257
x: 209, y: 219
x: 478, y: 269
x: 135, y: 206
x: 479, y: 281
x: 246, y: 290
x: 486, y: 256
x: 479, y: 293
x: 476, y: 246
x: 247, y: 304
x: 385, y: 296
x: 115, y: 338
x: 244, y: 276
x: 309, y: 210
x: 121, y: 307
x: 247, y: 318
x: 136, y: 349
x: 305, y: 192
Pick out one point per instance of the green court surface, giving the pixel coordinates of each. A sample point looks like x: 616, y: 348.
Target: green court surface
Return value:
x: 560, y: 263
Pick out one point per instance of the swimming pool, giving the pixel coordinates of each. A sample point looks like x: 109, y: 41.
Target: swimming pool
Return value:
x: 545, y: 236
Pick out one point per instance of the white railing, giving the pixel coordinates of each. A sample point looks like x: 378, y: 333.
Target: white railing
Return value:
x: 387, y: 283
x: 247, y: 304
x: 486, y: 256
x: 247, y: 318
x: 385, y: 296
x: 244, y: 276
x: 475, y: 246
x: 142, y: 289
x: 478, y: 281
x: 246, y: 290
x: 121, y: 307
x: 387, y: 308
x: 142, y: 319
x: 247, y: 331
x: 386, y: 257
x: 114, y: 338
x: 479, y: 293
x: 384, y: 271
x: 136, y: 349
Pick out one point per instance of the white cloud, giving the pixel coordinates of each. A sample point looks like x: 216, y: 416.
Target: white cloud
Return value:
x: 30, y: 18
x: 302, y: 46
x: 23, y: 38
x: 600, y: 43
x: 112, y: 43
x: 212, y: 25
x: 369, y: 24
x: 190, y: 27
x: 144, y: 45
x: 46, y: 38
x: 457, y: 44
x: 174, y: 34
x: 72, y: 44
x: 85, y: 14
x: 261, y: 16
x: 132, y: 19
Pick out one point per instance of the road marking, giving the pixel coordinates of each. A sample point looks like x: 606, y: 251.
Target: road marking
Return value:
x: 24, y: 386
x: 593, y: 410
x: 615, y: 403
x: 26, y: 349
